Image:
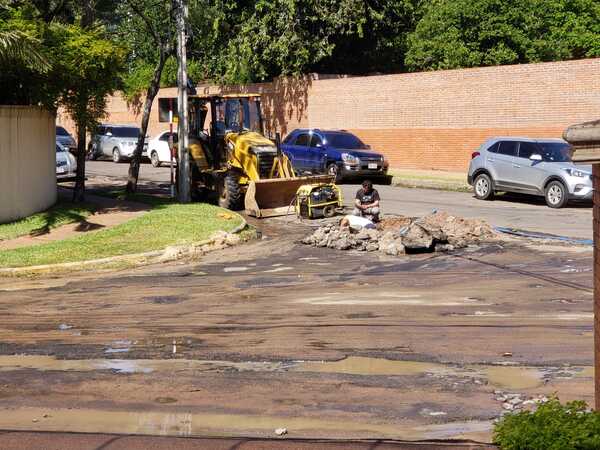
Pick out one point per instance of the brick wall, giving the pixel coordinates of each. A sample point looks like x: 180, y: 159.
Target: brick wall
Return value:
x: 428, y: 120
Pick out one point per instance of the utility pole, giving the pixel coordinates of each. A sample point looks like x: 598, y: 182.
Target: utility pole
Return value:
x: 183, y: 164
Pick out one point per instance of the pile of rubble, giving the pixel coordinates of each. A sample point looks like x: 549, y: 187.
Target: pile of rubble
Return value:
x: 395, y: 236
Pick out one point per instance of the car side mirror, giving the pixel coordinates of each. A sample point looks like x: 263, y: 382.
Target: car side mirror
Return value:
x: 535, y: 157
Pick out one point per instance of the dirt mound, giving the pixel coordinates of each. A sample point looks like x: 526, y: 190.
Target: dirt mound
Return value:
x: 394, y: 236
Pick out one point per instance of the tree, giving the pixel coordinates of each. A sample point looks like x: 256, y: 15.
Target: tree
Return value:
x: 154, y: 45
x: 87, y: 67
x: 246, y: 41
x: 470, y: 33
x: 18, y: 47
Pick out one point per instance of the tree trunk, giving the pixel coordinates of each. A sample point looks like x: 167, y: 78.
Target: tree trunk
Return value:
x: 134, y: 165
x: 79, y: 191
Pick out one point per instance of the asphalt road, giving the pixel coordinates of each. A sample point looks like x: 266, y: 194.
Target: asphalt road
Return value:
x: 527, y: 213
x: 272, y: 333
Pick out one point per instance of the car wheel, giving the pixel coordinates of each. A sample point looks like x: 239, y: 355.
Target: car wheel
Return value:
x: 333, y: 169
x: 483, y: 187
x: 154, y: 159
x: 116, y: 154
x: 556, y: 195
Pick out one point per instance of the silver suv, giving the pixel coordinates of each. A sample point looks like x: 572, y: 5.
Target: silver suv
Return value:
x: 540, y: 167
x: 115, y: 141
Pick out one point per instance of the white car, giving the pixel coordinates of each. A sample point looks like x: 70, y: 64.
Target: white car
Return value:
x: 66, y: 164
x: 158, y: 149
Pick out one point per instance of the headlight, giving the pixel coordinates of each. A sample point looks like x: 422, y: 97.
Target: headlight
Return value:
x: 263, y: 148
x: 576, y: 173
x: 350, y: 159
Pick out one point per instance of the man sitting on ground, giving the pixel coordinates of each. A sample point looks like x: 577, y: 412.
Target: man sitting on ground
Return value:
x: 366, y: 203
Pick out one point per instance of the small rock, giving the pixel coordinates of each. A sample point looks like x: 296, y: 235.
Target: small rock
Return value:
x: 515, y: 401
x: 34, y: 420
x: 508, y: 406
x: 64, y: 326
x: 281, y: 431
x: 507, y: 354
x: 232, y: 239
x: 529, y: 402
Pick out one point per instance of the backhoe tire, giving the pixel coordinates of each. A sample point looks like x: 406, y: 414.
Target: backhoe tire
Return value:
x: 230, y: 193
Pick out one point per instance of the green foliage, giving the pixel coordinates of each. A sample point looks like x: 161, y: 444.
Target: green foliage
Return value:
x: 551, y: 427
x: 470, y: 33
x: 88, y: 67
x: 250, y: 41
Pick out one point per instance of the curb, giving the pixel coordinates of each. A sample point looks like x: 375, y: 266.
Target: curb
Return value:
x: 169, y: 253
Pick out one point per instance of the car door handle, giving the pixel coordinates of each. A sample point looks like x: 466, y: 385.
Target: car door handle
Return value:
x: 517, y: 166
x: 491, y: 159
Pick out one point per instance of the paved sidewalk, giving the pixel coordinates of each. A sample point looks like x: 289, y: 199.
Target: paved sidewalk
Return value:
x: 430, y: 179
x: 67, y: 441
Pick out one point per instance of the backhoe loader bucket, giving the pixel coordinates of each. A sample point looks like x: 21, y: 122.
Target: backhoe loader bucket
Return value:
x: 276, y: 196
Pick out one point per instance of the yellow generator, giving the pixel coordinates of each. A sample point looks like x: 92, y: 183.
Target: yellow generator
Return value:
x: 318, y: 200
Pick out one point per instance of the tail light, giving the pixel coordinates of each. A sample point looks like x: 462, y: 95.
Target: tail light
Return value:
x: 474, y: 155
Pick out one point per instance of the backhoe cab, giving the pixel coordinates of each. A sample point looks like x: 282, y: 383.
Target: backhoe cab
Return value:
x: 230, y: 155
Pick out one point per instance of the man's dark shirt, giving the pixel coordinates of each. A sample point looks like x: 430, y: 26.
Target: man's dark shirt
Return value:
x: 367, y: 199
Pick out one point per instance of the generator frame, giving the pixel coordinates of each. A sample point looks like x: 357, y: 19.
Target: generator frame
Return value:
x: 304, y: 193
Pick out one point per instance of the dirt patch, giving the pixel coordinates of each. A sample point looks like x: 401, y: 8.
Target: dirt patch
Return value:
x: 394, y: 236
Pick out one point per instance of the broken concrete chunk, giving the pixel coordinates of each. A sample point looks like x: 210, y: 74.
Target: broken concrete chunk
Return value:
x: 281, y: 431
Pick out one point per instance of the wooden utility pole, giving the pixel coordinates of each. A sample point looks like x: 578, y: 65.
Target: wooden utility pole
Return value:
x: 183, y: 164
x: 596, y: 229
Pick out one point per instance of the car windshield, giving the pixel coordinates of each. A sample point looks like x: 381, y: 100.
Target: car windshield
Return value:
x: 556, y: 151
x: 60, y: 131
x: 344, y: 140
x: 126, y: 132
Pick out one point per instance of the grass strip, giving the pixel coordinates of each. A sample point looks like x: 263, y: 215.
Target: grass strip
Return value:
x: 62, y: 213
x: 165, y: 225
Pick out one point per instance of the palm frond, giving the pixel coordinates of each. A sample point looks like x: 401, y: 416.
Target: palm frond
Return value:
x: 17, y: 47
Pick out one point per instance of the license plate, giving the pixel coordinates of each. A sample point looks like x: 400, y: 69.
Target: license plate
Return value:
x: 372, y: 165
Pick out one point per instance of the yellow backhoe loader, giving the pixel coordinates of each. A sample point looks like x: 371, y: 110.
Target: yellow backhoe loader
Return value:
x: 232, y: 156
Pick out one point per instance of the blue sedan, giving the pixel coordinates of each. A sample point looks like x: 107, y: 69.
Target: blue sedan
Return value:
x: 338, y: 153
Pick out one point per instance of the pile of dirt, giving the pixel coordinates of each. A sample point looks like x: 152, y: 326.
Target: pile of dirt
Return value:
x: 435, y: 232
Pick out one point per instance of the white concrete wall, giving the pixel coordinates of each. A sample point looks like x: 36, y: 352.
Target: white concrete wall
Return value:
x: 27, y: 161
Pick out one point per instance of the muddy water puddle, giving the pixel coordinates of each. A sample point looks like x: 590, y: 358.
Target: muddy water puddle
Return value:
x: 205, y: 424
x: 46, y: 363
x: 506, y: 377
x: 501, y: 376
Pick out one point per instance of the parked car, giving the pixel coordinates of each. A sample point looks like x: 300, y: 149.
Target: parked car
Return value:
x: 66, y: 164
x: 159, y: 151
x: 115, y: 141
x: 65, y: 139
x: 540, y: 167
x: 336, y: 152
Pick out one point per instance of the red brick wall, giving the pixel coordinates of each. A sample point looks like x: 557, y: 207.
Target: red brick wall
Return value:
x: 428, y: 120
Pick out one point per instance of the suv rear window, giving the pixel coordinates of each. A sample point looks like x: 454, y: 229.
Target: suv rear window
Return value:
x: 126, y: 132
x: 508, y: 148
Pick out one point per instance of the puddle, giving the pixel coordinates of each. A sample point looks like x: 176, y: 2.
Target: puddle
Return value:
x: 278, y: 269
x: 203, y: 424
x: 389, y: 298
x: 502, y: 376
x: 514, y: 377
x: 129, y: 366
x: 235, y: 269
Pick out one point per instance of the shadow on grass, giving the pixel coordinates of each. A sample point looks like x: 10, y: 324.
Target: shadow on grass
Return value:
x: 62, y: 214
